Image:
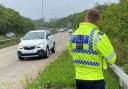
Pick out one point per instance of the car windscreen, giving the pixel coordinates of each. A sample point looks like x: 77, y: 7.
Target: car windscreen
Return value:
x: 34, y: 35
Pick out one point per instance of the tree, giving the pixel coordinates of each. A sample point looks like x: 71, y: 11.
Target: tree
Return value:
x: 12, y: 21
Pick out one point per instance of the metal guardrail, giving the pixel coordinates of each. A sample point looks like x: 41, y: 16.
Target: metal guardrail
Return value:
x: 9, y: 39
x: 123, y: 77
x: 6, y: 40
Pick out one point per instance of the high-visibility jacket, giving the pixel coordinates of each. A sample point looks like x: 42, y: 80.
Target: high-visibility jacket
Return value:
x: 91, y: 50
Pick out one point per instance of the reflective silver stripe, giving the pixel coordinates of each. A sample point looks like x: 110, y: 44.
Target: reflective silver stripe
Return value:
x: 97, y: 39
x: 111, y: 56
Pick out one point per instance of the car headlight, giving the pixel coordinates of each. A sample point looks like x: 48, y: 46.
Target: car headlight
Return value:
x: 40, y: 45
x: 20, y: 46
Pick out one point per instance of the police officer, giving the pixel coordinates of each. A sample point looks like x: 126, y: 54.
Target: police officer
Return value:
x: 91, y: 50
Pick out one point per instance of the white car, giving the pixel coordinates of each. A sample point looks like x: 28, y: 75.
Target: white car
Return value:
x: 36, y: 44
x: 61, y: 30
x: 70, y: 31
x: 10, y: 35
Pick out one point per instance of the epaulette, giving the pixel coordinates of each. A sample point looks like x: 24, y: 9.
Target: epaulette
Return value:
x: 101, y: 33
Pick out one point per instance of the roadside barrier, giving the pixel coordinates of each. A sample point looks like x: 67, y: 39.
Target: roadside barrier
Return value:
x: 2, y: 42
x: 122, y: 76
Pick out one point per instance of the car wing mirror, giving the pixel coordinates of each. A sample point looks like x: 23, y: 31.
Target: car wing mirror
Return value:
x: 46, y: 36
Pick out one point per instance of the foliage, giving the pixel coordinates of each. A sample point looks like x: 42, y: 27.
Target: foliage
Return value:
x: 39, y: 23
x: 113, y: 22
x: 69, y: 22
x: 12, y: 21
x: 73, y: 20
x: 60, y: 75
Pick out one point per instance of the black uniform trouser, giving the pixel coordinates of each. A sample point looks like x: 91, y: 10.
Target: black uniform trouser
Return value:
x: 85, y: 84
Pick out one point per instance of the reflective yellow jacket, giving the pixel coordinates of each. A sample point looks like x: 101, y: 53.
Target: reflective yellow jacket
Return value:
x: 91, y: 50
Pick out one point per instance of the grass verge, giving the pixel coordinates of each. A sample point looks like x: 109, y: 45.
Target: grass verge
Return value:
x: 60, y: 75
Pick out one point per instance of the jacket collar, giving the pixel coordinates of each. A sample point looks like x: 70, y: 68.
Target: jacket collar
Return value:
x: 89, y: 25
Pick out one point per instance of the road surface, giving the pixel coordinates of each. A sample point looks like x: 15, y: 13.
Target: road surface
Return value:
x: 13, y: 72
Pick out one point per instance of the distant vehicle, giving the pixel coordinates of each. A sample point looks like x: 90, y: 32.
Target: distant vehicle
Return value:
x: 36, y: 44
x: 10, y: 35
x: 70, y: 31
x: 65, y: 29
x: 61, y: 30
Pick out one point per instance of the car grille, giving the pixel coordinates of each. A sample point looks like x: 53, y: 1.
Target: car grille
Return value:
x: 29, y: 54
x: 29, y: 47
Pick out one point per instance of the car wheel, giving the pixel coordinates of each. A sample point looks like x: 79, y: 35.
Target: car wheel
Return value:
x: 47, y: 53
x: 53, y: 49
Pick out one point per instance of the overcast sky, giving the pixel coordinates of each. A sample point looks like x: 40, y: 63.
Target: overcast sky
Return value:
x: 61, y: 8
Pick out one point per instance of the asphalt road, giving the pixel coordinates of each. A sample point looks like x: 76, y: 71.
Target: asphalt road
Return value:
x: 13, y: 72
